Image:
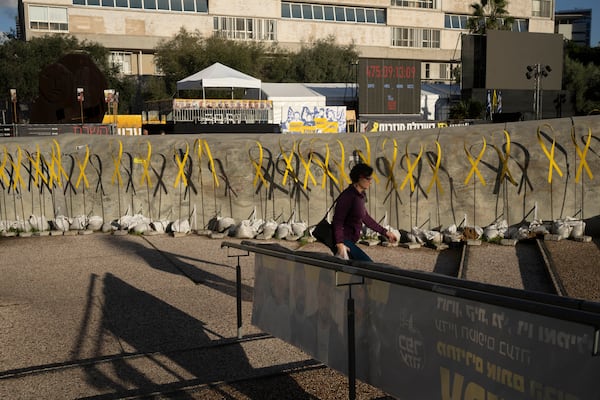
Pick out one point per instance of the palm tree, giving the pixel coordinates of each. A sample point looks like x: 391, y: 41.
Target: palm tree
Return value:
x: 489, y: 14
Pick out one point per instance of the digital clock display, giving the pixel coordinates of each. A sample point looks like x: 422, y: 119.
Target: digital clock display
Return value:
x: 389, y: 86
x: 391, y: 71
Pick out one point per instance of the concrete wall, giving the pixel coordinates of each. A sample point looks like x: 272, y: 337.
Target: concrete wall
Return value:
x: 164, y: 177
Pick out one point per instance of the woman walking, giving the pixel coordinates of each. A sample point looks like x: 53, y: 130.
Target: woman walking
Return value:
x: 350, y: 214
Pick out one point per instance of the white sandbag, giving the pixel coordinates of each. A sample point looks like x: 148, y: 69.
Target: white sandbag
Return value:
x: 298, y: 228
x: 39, y: 224
x: 21, y: 225
x: 267, y: 230
x: 181, y: 226
x: 140, y: 228
x: 434, y: 237
x: 244, y: 230
x: 108, y: 227
x: 160, y: 226
x: 561, y: 229
x: 491, y: 232
x: 224, y: 224
x: 577, y: 229
x: 78, y: 223
x: 95, y: 223
x: 283, y: 230
x: 61, y: 223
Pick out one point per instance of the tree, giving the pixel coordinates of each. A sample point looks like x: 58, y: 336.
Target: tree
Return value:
x: 188, y: 52
x: 490, y: 15
x: 466, y: 109
x: 325, y: 61
x: 582, y: 81
x: 583, y: 54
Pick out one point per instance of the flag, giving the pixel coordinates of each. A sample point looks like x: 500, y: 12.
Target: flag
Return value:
x: 499, y: 106
x: 494, y: 101
x: 488, y: 106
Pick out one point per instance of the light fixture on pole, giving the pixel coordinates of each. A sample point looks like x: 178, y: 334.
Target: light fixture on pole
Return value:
x: 537, y: 72
x: 13, y: 100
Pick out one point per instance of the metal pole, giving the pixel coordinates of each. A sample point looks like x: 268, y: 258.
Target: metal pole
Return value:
x: 351, y: 347
x: 540, y: 90
x: 238, y: 292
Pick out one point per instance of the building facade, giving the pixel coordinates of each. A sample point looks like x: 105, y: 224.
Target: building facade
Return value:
x: 425, y: 30
x: 575, y: 25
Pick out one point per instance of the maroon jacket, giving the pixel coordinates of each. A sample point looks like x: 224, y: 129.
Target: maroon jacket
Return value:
x: 350, y: 213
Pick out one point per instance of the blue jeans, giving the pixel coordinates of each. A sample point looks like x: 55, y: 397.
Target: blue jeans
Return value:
x: 355, y: 252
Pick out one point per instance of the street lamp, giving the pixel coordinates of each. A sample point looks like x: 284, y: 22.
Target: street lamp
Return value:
x: 537, y: 72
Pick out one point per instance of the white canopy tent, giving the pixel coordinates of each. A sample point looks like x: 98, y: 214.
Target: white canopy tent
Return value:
x: 218, y: 76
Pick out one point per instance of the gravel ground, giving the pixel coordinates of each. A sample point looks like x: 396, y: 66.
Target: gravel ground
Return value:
x: 200, y: 260
x: 578, y: 265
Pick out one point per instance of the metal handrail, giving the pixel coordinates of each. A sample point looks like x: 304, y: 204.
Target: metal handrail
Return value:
x: 568, y: 309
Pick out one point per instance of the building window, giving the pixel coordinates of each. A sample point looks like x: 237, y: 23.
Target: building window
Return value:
x: 431, y: 38
x: 245, y: 28
x: 415, y: 3
x: 330, y: 13
x: 200, y: 6
x: 121, y: 60
x: 427, y: 71
x: 48, y: 18
x: 542, y: 8
x: 452, y: 21
x: 520, y: 25
x: 445, y: 71
x: 416, y: 37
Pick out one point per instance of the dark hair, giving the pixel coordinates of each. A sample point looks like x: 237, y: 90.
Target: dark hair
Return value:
x: 360, y: 171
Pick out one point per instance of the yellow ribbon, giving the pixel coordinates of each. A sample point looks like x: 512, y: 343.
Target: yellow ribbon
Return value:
x: 258, y: 165
x: 17, y: 169
x: 51, y: 170
x: 582, y: 155
x: 367, y: 159
x: 306, y: 164
x: 325, y: 167
x: 117, y: 164
x: 38, y: 175
x: 3, y: 175
x: 391, y: 178
x: 504, y: 157
x: 211, y: 162
x: 198, y: 146
x: 82, y: 166
x: 550, y: 154
x: 146, y: 166
x: 57, y: 162
x: 288, y: 161
x: 410, y: 166
x: 341, y: 166
x: 181, y: 165
x: 474, y: 163
x: 435, y: 169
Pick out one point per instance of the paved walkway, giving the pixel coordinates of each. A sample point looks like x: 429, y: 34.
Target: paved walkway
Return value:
x: 93, y: 315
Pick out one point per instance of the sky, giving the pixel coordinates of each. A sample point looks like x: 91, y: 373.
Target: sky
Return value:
x: 8, y: 11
